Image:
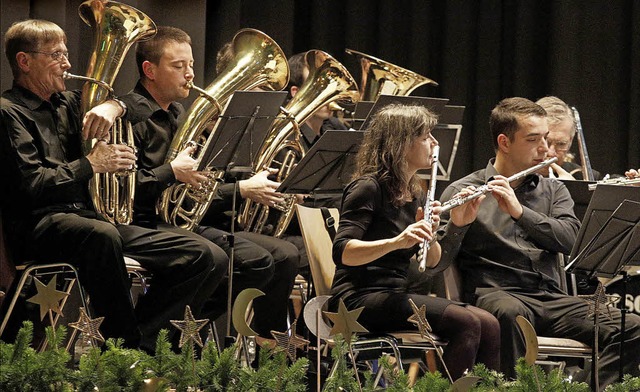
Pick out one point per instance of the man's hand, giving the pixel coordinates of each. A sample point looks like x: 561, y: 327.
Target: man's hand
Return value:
x: 561, y: 173
x: 506, y: 197
x: 632, y: 173
x: 110, y: 158
x: 183, y: 168
x: 465, y: 214
x: 98, y: 121
x: 261, y: 189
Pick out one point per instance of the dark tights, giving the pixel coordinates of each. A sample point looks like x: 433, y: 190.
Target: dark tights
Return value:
x: 474, y: 337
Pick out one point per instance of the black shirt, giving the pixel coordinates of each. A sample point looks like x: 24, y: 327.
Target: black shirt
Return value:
x: 498, y: 251
x: 309, y: 137
x: 42, y: 163
x: 368, y: 214
x: 153, y: 130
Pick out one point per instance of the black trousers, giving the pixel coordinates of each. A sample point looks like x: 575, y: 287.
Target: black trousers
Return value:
x: 562, y: 316
x: 183, y: 268
x: 261, y: 262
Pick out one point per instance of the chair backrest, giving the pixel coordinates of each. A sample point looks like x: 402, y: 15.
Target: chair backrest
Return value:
x: 318, y: 244
x: 7, y: 266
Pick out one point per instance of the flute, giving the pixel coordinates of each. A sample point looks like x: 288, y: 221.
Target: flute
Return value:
x: 615, y: 181
x: 458, y: 201
x: 428, y: 209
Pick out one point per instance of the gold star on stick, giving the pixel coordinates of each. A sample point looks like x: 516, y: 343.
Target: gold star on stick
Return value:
x: 189, y: 328
x: 290, y: 341
x: 598, y: 299
x: 345, y: 322
x: 48, y: 297
x: 419, y: 318
x: 90, y: 327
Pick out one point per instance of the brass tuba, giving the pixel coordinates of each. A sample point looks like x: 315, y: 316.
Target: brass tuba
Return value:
x: 116, y: 27
x: 328, y: 81
x: 258, y: 62
x: 382, y: 77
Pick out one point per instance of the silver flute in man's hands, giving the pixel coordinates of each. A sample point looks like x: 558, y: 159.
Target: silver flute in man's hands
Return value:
x: 428, y: 208
x: 458, y: 201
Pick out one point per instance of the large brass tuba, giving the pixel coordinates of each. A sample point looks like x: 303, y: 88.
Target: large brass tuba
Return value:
x: 382, y: 77
x: 258, y: 62
x: 116, y: 27
x: 328, y: 81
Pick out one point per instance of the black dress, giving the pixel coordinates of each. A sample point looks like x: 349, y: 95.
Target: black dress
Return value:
x: 381, y: 286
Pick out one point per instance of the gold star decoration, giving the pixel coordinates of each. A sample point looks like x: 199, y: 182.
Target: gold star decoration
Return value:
x: 597, y: 301
x: 48, y: 297
x: 345, y: 322
x: 189, y: 328
x: 290, y: 341
x: 90, y: 327
x: 419, y: 318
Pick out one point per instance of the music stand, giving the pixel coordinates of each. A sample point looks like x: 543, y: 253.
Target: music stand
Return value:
x: 608, y: 240
x: 447, y: 133
x: 241, y: 129
x: 580, y: 194
x: 436, y: 105
x: 359, y: 115
x: 327, y: 166
x: 242, y: 125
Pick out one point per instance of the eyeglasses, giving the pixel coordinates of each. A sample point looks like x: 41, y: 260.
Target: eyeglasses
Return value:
x: 55, y: 56
x: 559, y: 145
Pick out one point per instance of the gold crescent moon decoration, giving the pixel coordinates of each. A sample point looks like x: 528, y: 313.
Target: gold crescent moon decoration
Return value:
x: 240, y: 310
x: 464, y: 384
x: 530, y: 339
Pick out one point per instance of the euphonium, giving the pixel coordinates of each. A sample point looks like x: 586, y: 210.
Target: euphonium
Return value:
x: 258, y: 62
x: 116, y: 27
x: 327, y: 82
x: 382, y: 77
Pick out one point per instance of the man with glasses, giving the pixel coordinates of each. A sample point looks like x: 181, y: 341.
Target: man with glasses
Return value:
x: 47, y: 205
x: 562, y: 130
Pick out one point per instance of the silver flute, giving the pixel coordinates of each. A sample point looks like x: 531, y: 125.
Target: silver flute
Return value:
x: 428, y: 209
x: 458, y: 201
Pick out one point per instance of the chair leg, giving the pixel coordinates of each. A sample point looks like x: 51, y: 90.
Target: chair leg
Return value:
x: 37, y: 271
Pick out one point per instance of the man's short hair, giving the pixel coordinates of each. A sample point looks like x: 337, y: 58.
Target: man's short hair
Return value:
x: 297, y: 65
x: 504, y: 117
x: 557, y: 111
x: 152, y: 49
x: 30, y: 35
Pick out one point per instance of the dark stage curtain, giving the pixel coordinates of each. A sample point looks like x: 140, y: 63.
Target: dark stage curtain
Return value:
x: 585, y: 52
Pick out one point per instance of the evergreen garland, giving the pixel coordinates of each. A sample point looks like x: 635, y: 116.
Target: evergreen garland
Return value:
x: 121, y: 369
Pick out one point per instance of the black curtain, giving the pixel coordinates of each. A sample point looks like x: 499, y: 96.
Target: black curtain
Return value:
x: 585, y: 52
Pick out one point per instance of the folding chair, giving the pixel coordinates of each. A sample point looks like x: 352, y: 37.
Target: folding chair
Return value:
x: 551, y: 351
x: 406, y: 347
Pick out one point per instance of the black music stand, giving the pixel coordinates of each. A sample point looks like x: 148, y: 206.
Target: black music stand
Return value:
x: 447, y: 132
x: 436, y: 105
x: 241, y: 129
x: 580, y: 194
x: 608, y: 240
x: 236, y: 137
x: 360, y: 114
x: 327, y: 166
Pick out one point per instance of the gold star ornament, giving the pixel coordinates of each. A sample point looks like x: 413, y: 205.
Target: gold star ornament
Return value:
x: 599, y: 301
x: 189, y: 328
x: 345, y: 322
x: 48, y: 297
x: 88, y: 326
x: 289, y: 341
x: 419, y: 318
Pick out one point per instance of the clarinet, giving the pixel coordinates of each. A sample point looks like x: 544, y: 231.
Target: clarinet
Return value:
x: 458, y: 201
x: 428, y: 209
